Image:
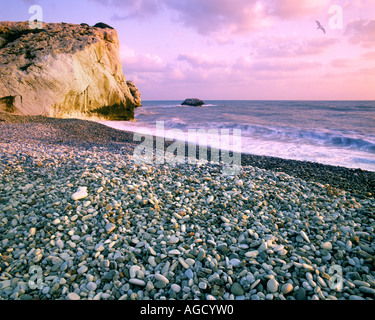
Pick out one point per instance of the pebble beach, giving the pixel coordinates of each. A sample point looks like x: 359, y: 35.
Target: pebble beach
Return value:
x: 80, y: 220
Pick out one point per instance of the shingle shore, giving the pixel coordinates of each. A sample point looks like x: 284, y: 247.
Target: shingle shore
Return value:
x: 181, y: 231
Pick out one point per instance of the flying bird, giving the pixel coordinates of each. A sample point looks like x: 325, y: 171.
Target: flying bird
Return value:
x: 320, y: 26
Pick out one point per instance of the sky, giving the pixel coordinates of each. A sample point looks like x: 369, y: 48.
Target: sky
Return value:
x: 232, y: 49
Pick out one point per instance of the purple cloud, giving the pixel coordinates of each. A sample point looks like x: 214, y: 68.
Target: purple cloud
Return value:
x: 219, y: 18
x: 131, y: 9
x: 361, y: 32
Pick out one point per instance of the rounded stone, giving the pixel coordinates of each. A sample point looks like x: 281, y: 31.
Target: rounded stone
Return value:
x: 326, y: 245
x: 286, y: 288
x: 237, y: 289
x: 272, y: 285
x: 161, y: 278
x: 91, y: 286
x: 301, y: 294
x: 73, y: 296
x: 138, y: 282
x: 176, y: 288
x: 82, y: 269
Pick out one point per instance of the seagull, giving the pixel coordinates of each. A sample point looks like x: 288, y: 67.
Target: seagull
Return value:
x: 320, y: 26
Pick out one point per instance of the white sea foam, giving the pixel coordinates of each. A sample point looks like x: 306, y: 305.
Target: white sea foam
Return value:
x: 334, y: 133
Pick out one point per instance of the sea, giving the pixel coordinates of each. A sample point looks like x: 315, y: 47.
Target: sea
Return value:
x: 339, y: 133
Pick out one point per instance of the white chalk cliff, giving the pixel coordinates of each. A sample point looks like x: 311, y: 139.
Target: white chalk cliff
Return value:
x: 64, y: 71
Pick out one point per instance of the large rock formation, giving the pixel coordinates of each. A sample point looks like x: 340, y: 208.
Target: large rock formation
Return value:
x: 65, y: 71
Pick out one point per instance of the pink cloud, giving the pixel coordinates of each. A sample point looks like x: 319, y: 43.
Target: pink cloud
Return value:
x: 369, y: 56
x: 200, y: 60
x: 218, y: 17
x: 292, y: 9
x: 273, y: 65
x: 221, y: 18
x: 342, y: 63
x: 133, y: 8
x: 285, y: 47
x: 211, y: 16
x: 361, y: 32
x: 141, y: 62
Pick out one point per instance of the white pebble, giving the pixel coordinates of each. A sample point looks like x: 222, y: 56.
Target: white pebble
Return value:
x: 80, y: 194
x: 91, y: 286
x: 272, y: 285
x: 161, y: 278
x: 304, y: 236
x: 176, y: 288
x: 326, y: 245
x: 73, y: 296
x: 138, y: 282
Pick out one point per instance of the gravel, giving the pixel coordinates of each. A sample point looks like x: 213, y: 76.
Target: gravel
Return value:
x: 184, y: 231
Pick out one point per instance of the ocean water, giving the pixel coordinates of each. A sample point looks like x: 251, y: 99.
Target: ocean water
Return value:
x: 340, y: 133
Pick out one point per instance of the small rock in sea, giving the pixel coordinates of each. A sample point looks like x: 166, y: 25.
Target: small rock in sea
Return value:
x: 193, y: 102
x: 237, y: 289
x: 80, y: 194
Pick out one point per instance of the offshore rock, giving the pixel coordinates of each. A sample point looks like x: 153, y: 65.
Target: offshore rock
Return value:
x: 64, y: 71
x: 193, y: 102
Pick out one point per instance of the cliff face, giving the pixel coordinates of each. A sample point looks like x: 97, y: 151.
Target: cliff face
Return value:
x: 64, y: 71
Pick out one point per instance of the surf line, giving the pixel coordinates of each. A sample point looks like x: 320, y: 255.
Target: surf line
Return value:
x: 225, y: 147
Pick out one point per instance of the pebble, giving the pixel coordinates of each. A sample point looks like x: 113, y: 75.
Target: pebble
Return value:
x: 181, y: 232
x: 272, y: 285
x: 286, y: 288
x: 326, y: 245
x: 82, y: 269
x: 80, y: 194
x: 99, y: 247
x: 91, y: 286
x: 235, y: 262
x: 174, y: 252
x: 175, y: 287
x: 367, y: 290
x: 73, y: 296
x: 161, y: 278
x: 32, y: 232
x: 59, y: 243
x: 301, y: 294
x: 137, y: 282
x: 202, y: 285
x: 304, y: 236
x: 110, y: 227
x: 237, y: 289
